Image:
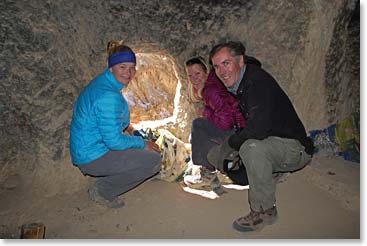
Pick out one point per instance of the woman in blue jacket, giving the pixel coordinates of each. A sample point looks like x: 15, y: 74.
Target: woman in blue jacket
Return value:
x: 100, y: 140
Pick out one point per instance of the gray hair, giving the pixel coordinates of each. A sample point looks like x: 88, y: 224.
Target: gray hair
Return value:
x: 236, y: 49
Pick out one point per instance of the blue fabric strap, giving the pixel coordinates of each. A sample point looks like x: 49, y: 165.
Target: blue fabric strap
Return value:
x: 119, y: 57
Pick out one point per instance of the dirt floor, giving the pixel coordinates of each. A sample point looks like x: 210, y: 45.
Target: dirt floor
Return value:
x: 322, y: 201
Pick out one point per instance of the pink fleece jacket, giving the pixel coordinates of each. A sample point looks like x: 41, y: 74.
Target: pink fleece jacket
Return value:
x: 221, y: 106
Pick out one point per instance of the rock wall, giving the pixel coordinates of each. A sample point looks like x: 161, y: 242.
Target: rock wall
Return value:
x: 342, y: 71
x: 49, y: 50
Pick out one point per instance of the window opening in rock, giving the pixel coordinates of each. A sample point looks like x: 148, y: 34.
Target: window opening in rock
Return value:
x: 153, y: 94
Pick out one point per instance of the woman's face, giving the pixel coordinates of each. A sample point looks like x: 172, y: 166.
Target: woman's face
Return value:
x: 124, y: 72
x: 197, y: 75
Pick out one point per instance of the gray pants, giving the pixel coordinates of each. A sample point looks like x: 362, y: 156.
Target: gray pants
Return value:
x: 264, y: 157
x: 204, y: 136
x: 121, y: 170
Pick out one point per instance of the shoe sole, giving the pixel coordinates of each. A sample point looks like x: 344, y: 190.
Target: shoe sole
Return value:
x: 196, y: 186
x: 100, y: 201
x: 258, y: 227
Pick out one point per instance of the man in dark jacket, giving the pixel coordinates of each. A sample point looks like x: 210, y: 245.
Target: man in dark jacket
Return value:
x: 274, y: 139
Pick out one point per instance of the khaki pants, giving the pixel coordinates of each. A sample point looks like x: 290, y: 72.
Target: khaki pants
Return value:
x: 267, y: 156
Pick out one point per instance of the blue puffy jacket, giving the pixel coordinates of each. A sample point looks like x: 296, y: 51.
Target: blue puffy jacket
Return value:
x: 100, y: 115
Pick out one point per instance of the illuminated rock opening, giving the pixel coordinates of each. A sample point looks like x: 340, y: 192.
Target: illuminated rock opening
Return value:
x: 151, y: 94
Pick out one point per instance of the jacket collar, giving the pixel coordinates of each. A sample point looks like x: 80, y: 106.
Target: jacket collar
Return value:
x: 233, y: 89
x: 245, y: 83
x: 113, y: 81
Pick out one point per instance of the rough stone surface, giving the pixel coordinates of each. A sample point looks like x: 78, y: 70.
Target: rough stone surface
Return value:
x: 151, y: 94
x: 49, y: 50
x: 342, y: 82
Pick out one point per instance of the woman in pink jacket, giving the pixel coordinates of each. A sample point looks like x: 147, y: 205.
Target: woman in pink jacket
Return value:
x: 220, y: 107
x: 219, y: 119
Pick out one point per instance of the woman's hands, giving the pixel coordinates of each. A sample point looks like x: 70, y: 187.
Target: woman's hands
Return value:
x: 129, y: 129
x: 152, y: 146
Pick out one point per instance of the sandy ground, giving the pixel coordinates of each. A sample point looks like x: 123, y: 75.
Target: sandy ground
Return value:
x: 322, y: 201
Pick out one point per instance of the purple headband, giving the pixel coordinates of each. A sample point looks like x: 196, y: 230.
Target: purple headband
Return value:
x: 119, y: 57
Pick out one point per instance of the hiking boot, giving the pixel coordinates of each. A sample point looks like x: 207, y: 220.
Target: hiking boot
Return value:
x: 96, y: 197
x: 206, y: 179
x: 255, y: 221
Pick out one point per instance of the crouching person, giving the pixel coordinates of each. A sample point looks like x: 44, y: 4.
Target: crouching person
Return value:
x: 100, y: 143
x: 274, y: 139
x: 220, y: 118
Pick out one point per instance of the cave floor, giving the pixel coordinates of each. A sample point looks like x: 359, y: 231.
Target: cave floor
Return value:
x: 322, y: 201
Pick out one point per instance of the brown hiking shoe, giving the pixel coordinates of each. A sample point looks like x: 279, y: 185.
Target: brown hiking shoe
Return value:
x: 255, y: 221
x: 206, y: 179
